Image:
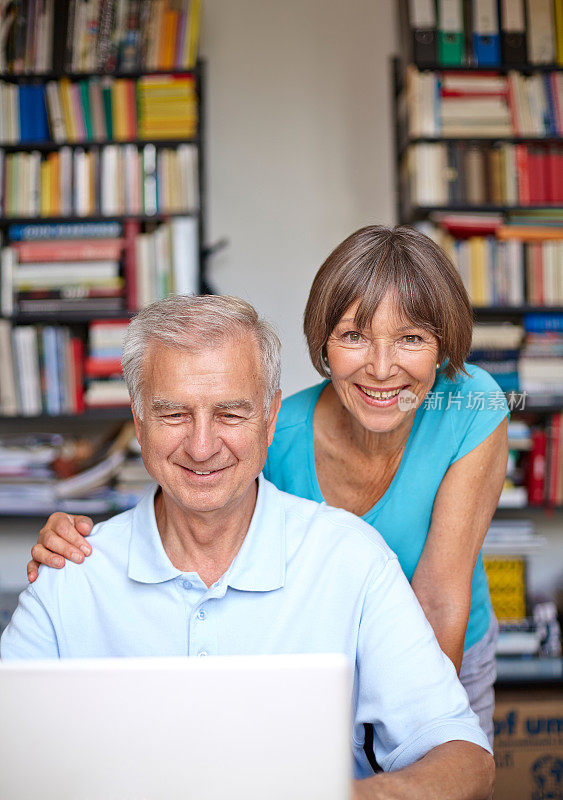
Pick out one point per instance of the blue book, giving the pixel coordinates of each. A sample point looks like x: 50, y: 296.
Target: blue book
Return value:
x: 37, y: 110
x: 63, y: 230
x: 485, y: 33
x: 538, y: 323
x: 25, y: 117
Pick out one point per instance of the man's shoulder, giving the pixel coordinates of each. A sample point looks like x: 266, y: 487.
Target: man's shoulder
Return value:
x: 110, y: 548
x: 327, y: 527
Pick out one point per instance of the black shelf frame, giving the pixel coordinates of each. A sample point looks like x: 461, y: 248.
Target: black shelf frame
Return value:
x: 497, y: 312
x: 526, y: 69
x: 49, y: 147
x: 102, y: 414
x: 159, y: 216
x: 417, y: 213
x: 57, y: 74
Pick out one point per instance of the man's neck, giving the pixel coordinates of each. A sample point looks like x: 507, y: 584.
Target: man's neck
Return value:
x: 204, y: 542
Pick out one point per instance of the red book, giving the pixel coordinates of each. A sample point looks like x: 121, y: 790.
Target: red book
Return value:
x: 558, y: 157
x: 102, y: 367
x: 536, y: 469
x: 523, y: 171
x: 131, y: 229
x: 77, y: 349
x: 69, y: 250
x: 535, y: 176
x: 554, y: 466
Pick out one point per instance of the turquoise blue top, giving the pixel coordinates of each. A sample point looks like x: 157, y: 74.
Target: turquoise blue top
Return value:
x: 456, y: 416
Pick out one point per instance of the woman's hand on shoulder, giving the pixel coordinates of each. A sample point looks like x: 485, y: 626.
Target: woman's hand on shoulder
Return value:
x: 62, y: 537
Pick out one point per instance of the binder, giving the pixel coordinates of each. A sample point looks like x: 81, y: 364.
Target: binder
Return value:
x: 451, y: 46
x: 558, y: 4
x: 513, y: 33
x: 422, y: 26
x: 541, y: 32
x: 485, y: 38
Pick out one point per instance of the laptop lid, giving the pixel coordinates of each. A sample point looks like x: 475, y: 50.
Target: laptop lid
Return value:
x: 228, y: 728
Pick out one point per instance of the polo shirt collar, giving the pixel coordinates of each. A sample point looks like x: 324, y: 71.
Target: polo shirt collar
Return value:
x: 260, y: 563
x: 259, y: 566
x: 148, y: 562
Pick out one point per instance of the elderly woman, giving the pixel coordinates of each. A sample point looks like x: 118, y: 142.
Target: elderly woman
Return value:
x: 401, y: 432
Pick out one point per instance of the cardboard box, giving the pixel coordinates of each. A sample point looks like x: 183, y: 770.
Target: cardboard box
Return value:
x: 529, y: 743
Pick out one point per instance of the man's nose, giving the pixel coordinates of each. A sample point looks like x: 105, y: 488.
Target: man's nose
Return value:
x: 381, y: 360
x: 202, y: 442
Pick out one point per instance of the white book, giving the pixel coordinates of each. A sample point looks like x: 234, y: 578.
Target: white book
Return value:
x: 26, y: 357
x: 49, y: 273
x: 8, y: 261
x: 65, y: 180
x: 8, y: 388
x: 143, y: 269
x: 549, y: 269
x: 149, y: 179
x: 14, y: 113
x: 185, y: 255
x: 56, y: 119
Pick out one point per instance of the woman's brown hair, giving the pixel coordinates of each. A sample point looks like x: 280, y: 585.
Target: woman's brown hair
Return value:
x: 375, y: 260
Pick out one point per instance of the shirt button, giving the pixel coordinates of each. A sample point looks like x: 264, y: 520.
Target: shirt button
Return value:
x: 201, y: 614
x: 187, y: 584
x: 202, y: 654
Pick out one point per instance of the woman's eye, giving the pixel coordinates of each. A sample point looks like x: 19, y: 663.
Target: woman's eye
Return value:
x: 353, y: 336
x: 412, y: 338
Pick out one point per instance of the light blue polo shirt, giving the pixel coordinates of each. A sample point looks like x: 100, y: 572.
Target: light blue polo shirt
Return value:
x: 307, y: 579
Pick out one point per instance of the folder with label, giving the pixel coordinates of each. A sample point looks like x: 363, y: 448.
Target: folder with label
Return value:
x: 513, y: 33
x: 485, y: 33
x: 451, y: 46
x: 541, y: 32
x: 422, y: 25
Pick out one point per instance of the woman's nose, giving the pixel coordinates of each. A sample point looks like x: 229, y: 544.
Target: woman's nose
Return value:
x: 380, y: 360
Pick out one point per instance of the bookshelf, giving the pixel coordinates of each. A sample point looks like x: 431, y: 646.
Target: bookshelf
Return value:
x: 478, y: 155
x: 102, y: 211
x: 90, y: 93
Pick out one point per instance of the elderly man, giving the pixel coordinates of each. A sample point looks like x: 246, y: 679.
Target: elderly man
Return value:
x: 215, y: 560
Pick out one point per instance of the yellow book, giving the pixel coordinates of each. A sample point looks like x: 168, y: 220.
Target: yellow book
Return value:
x: 68, y: 115
x: 168, y: 40
x: 192, y: 38
x: 45, y: 189
x: 54, y: 200
x: 559, y: 32
x: 476, y: 270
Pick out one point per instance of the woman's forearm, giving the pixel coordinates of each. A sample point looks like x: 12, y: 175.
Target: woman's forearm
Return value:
x: 448, y: 617
x: 452, y: 771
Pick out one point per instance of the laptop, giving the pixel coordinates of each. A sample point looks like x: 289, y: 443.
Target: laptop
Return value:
x: 220, y: 728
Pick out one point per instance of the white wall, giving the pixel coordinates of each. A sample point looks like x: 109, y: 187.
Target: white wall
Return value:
x: 299, y: 145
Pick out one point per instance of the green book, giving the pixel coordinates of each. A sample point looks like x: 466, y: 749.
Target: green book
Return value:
x: 451, y: 38
x: 106, y: 94
x: 85, y: 98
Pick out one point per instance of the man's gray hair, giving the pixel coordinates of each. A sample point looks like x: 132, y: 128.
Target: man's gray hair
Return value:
x: 198, y: 322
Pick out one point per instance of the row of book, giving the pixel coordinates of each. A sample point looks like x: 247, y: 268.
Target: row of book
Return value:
x: 483, y: 32
x: 98, y: 109
x: 510, y: 273
x: 523, y: 358
x: 83, y: 182
x: 99, y: 35
x: 123, y: 270
x: 44, y: 369
x: 469, y: 173
x: 545, y: 464
x: 482, y: 104
x: 98, y: 474
x: 500, y: 264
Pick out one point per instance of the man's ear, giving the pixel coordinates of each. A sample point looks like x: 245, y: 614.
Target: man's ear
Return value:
x: 273, y: 415
x: 137, y: 423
